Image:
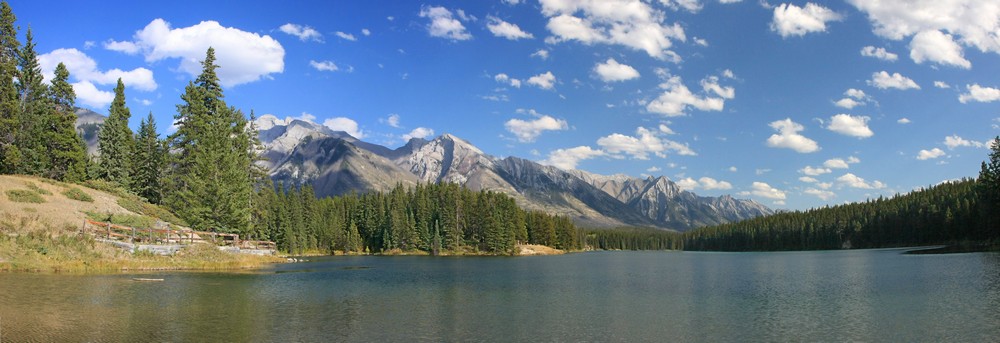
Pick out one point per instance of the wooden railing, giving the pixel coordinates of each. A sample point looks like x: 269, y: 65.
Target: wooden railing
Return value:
x: 168, y: 236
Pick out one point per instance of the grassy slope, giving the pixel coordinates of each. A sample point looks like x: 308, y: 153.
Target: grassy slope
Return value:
x: 43, y: 236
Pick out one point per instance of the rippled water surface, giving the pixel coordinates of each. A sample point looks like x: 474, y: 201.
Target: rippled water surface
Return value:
x: 869, y: 295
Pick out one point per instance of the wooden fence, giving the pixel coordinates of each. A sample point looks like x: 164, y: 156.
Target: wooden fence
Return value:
x: 169, y: 236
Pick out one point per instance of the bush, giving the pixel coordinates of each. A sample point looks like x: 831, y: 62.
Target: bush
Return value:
x: 135, y: 204
x: 78, y: 194
x: 23, y: 195
x: 39, y: 190
x: 109, y: 187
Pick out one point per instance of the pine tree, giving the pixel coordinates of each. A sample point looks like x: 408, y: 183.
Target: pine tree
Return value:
x: 66, y: 148
x: 148, y: 162
x: 211, y: 181
x: 116, y: 141
x: 34, y: 110
x: 10, y: 155
x: 989, y: 190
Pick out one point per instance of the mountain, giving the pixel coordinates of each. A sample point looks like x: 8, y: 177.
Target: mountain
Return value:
x: 88, y: 124
x: 334, y: 162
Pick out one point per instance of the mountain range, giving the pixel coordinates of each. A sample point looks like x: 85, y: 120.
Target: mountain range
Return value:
x: 299, y: 152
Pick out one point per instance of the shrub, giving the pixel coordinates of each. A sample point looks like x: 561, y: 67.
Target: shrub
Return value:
x: 78, y: 194
x: 107, y: 186
x: 23, y: 195
x: 39, y: 190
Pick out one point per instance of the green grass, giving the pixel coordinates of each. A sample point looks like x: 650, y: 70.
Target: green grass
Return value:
x: 53, y: 182
x: 77, y: 194
x: 130, y: 220
x: 39, y: 190
x: 135, y: 204
x: 26, y: 196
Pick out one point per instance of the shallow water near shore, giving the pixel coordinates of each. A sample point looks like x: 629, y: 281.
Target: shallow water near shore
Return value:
x: 860, y: 295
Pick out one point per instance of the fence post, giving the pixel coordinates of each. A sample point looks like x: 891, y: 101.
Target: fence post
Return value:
x: 83, y: 227
x: 133, y: 235
x: 109, y: 230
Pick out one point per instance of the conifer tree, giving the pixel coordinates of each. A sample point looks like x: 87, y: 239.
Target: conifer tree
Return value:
x: 66, y: 148
x: 148, y: 161
x: 989, y: 189
x: 34, y: 112
x: 10, y: 155
x: 116, y: 141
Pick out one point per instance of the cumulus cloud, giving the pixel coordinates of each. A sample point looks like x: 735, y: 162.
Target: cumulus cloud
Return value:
x: 937, y: 47
x: 303, y: 32
x: 705, y: 183
x: 612, y: 71
x: 848, y: 103
x: 846, y: 124
x: 854, y: 181
x: 765, y: 190
x: 879, y: 53
x: 884, y: 80
x: 791, y: 20
x: 941, y: 84
x: 420, y: 132
x: 854, y: 97
x: 344, y: 124
x: 979, y: 93
x: 126, y: 47
x: 543, y: 81
x: 972, y: 23
x: 507, y: 30
x: 244, y: 56
x: 392, y: 120
x: 814, y: 171
x: 640, y: 146
x: 788, y: 137
x: 529, y: 130
x: 689, y: 5
x: 904, y: 121
x: 323, y: 65
x: 541, y: 53
x: 630, y: 23
x: 808, y: 179
x: 567, y: 159
x: 819, y: 193
x: 955, y: 141
x: 676, y: 98
x: 930, y: 154
x: 346, y: 36
x: 89, y: 95
x: 504, y: 78
x: 444, y: 24
x: 83, y: 68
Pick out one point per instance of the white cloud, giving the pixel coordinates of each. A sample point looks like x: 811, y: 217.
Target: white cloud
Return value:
x: 646, y: 142
x: 541, y: 53
x: 420, y: 132
x: 849, y: 125
x: 129, y: 48
x: 366, y: 32
x: 567, y: 159
x: 854, y: 97
x: 612, y: 71
x: 733, y: 169
x: 972, y: 23
x: 653, y: 169
x: 930, y: 154
x: 504, y: 78
x: 543, y: 81
x: 791, y: 20
x: 884, y: 80
x: 765, y: 190
x: 808, y: 179
x: 700, y: 41
x: 323, y: 65
x: 666, y: 129
x: 443, y: 23
x: 83, y: 68
x: 788, y: 137
x: 631, y: 23
x: 393, y: 120
x: 89, y: 95
x: 687, y: 184
x: 904, y: 121
x: 836, y: 163
x: 89, y: 44
x: 879, y: 53
x: 811, y: 171
x: 303, y: 32
x: 529, y: 130
x: 346, y: 125
x: 512, y: 2
x: 935, y: 46
x: 854, y: 181
x: 705, y: 183
x: 848, y: 103
x: 243, y: 56
x: 677, y: 98
x: 980, y: 94
x: 689, y: 5
x: 855, y: 93
x: 941, y: 84
x: 955, y: 141
x: 507, y: 30
x: 822, y: 194
x: 347, y: 36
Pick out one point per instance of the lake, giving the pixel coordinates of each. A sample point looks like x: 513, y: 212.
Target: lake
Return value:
x: 860, y: 295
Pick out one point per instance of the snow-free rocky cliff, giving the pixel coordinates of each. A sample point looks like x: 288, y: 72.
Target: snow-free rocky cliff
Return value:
x: 301, y: 152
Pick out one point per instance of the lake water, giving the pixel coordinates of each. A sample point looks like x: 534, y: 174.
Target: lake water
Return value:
x: 864, y: 295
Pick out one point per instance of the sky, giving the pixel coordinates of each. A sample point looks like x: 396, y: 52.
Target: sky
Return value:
x: 793, y: 104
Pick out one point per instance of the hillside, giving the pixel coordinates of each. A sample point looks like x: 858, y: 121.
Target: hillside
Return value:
x: 57, y: 210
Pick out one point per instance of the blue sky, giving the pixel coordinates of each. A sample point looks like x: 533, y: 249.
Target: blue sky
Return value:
x: 795, y: 104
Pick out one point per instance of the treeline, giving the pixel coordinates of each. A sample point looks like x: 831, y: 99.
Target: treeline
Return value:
x: 626, y: 238
x: 435, y: 218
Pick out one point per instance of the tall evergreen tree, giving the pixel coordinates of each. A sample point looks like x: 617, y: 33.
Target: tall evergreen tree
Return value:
x: 989, y: 189
x: 148, y: 163
x: 34, y: 112
x: 211, y: 180
x: 10, y: 155
x: 116, y: 141
x: 66, y: 148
